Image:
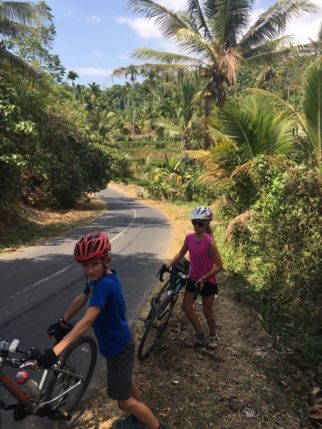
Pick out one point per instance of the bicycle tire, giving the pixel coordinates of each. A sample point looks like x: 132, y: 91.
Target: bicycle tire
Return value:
x: 82, y: 352
x: 156, y: 326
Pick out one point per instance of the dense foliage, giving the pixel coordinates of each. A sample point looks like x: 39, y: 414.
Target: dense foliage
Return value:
x: 278, y: 250
x: 47, y: 155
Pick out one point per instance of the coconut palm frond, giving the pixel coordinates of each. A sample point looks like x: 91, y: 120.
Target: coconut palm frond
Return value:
x: 288, y: 108
x: 269, y: 56
x: 162, y: 56
x: 313, y: 107
x: 125, y: 71
x: 273, y: 22
x: 171, y: 69
x: 14, y: 29
x: 168, y: 21
x: 196, y: 13
x: 219, y: 162
x: 7, y: 58
x: 242, y: 169
x: 193, y: 42
x: 238, y: 221
x: 200, y: 155
x: 235, y: 124
x: 228, y: 18
x: 27, y: 13
x: 269, y: 46
x: 229, y: 65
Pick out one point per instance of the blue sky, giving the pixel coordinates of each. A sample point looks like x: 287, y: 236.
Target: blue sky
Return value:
x: 94, y: 37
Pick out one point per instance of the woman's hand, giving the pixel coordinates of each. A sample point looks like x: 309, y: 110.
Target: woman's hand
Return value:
x: 200, y: 283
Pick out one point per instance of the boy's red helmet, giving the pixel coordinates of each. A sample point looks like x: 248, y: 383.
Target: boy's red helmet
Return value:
x: 92, y: 245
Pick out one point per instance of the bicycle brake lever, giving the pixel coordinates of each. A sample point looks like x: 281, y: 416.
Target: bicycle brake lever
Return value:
x: 31, y: 364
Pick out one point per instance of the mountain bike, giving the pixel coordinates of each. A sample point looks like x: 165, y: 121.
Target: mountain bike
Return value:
x: 162, y: 305
x: 60, y: 388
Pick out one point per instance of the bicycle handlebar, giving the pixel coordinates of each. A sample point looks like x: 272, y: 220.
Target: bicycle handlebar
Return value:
x: 164, y: 269
x: 7, y: 347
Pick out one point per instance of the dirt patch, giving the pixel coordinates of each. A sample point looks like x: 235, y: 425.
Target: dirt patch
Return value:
x: 236, y: 386
x: 29, y: 226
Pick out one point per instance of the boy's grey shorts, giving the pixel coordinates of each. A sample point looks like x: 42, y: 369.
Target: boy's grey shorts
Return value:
x: 119, y: 373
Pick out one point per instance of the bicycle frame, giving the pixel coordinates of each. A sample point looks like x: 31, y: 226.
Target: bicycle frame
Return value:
x: 32, y: 405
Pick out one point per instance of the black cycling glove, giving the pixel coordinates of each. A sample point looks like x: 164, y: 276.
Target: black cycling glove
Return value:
x: 59, y: 330
x: 47, y: 359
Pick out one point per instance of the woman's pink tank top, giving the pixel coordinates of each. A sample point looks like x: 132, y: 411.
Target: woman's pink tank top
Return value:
x: 200, y: 259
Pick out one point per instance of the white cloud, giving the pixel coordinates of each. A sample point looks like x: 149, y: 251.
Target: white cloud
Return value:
x: 144, y: 28
x: 95, y: 19
x: 300, y: 29
x: 87, y: 71
x: 147, y: 29
x: 174, y: 4
x: 305, y: 28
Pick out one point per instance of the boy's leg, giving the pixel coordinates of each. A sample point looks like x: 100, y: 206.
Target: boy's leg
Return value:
x: 140, y: 411
x: 135, y: 391
x: 121, y: 387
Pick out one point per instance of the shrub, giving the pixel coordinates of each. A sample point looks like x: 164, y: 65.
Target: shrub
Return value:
x: 279, y: 252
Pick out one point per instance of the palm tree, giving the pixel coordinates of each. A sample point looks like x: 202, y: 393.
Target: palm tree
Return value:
x: 250, y: 127
x: 212, y: 37
x: 72, y: 76
x: 18, y: 18
x: 311, y: 122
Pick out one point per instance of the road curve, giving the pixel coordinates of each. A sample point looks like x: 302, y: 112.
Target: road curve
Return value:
x: 38, y: 282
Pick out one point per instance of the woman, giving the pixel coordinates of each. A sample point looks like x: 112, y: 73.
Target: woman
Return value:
x: 205, y: 263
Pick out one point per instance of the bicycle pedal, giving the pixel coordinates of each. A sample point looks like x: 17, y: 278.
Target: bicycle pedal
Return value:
x: 60, y: 415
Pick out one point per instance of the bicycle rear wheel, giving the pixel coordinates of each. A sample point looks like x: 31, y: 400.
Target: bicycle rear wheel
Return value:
x: 155, y: 327
x: 80, y: 359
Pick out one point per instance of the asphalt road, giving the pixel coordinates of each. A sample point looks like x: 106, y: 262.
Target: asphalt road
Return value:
x: 38, y: 283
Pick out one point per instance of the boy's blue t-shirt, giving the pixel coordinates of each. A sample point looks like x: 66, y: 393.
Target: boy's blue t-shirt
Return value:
x: 111, y: 327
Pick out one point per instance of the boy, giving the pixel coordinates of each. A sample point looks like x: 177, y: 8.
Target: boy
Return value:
x: 106, y: 312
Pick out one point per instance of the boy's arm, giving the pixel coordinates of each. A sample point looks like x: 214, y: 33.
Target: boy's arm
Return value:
x: 75, y: 306
x: 78, y: 330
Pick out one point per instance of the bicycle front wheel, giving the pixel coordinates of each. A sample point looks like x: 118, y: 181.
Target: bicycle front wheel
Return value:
x: 156, y: 326
x: 78, y: 363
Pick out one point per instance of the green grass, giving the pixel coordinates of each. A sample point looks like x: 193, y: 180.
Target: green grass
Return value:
x: 144, y: 149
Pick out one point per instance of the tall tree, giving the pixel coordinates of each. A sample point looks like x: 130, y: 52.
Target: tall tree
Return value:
x: 17, y: 19
x: 215, y: 37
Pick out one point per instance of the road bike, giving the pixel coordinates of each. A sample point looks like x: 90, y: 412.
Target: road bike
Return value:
x: 60, y: 388
x: 162, y: 305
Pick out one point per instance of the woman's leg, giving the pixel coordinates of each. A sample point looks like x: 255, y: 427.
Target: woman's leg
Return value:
x: 187, y: 307
x: 208, y: 310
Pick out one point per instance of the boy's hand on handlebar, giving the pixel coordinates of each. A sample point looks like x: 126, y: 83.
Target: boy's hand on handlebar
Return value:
x: 59, y: 330
x: 47, y: 359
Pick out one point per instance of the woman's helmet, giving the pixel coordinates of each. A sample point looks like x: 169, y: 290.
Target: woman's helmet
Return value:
x: 201, y: 212
x: 92, y: 245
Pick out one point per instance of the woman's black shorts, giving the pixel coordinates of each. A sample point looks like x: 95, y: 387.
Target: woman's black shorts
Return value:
x: 207, y: 290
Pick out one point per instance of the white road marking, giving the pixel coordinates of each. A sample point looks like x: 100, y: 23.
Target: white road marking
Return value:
x: 39, y: 282
x: 63, y: 270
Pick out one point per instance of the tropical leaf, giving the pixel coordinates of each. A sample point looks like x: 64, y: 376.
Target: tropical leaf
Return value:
x: 313, y: 107
x: 168, y: 21
x: 273, y: 22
